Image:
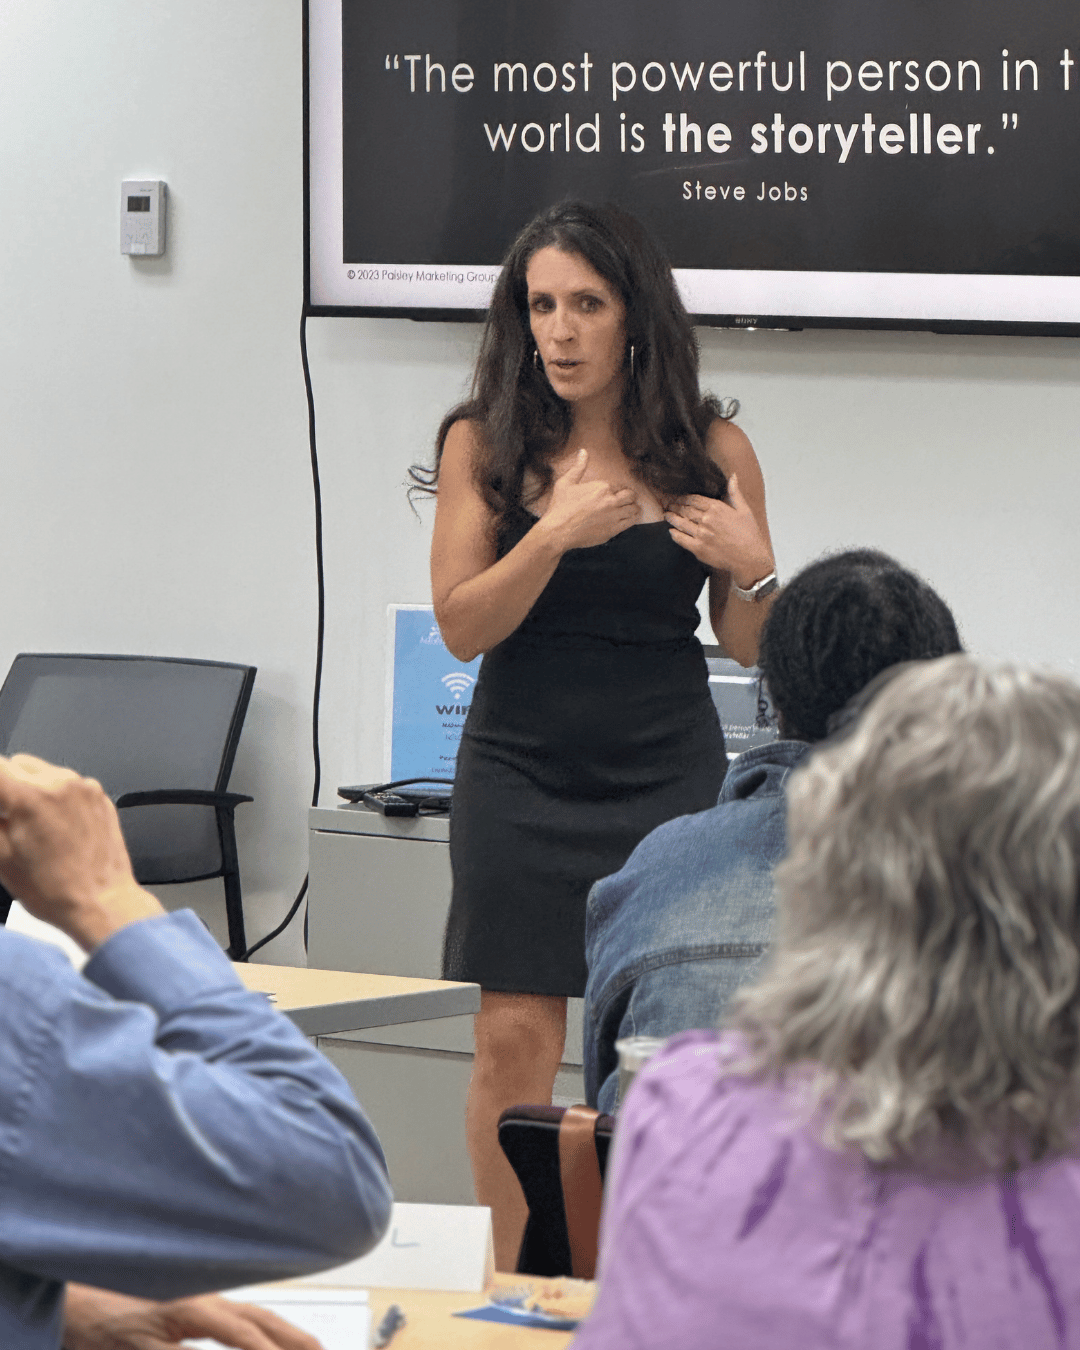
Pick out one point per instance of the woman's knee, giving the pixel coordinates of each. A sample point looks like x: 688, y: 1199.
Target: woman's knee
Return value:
x: 519, y: 1032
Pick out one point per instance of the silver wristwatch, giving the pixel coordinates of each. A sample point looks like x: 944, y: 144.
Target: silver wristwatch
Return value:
x: 759, y: 590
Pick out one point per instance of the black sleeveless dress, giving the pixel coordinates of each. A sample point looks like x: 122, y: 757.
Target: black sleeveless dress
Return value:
x: 590, y: 725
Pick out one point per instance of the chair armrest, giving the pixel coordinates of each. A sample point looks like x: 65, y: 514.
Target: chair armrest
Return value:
x: 182, y: 797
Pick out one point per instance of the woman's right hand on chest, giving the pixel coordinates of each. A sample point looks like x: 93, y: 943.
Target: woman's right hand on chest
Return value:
x: 583, y: 513
x: 479, y: 597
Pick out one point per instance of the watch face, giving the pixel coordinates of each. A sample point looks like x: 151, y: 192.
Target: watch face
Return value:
x: 759, y: 590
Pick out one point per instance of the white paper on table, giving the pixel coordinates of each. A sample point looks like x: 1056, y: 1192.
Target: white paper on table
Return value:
x: 339, y: 1318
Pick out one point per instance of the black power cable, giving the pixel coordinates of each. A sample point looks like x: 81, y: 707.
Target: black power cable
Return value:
x: 319, y: 631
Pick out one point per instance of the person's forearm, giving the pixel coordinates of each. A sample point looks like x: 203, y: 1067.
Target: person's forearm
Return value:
x: 738, y: 627
x: 88, y: 1313
x: 479, y: 613
x: 92, y: 924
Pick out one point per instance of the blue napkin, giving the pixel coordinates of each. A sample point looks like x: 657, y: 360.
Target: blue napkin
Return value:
x: 519, y: 1317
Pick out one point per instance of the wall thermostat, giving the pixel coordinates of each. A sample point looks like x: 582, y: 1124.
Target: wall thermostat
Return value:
x: 142, y: 217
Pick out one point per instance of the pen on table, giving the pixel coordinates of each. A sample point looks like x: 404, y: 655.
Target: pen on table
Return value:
x: 392, y: 1320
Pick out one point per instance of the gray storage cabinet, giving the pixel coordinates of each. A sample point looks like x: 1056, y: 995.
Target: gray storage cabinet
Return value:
x: 378, y: 896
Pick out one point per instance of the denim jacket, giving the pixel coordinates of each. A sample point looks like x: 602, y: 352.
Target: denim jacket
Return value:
x: 687, y: 919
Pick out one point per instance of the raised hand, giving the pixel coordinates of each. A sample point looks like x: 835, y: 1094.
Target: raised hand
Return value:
x: 723, y: 535
x: 62, y: 853
x: 582, y: 514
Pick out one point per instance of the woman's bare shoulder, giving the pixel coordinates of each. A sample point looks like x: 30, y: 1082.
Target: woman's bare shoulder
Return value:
x: 460, y: 495
x: 730, y: 448
x: 462, y: 443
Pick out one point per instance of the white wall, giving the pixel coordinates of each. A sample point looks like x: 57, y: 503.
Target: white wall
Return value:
x: 152, y: 415
x: 153, y: 440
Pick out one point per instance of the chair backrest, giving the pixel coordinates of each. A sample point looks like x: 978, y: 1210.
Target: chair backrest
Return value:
x: 137, y: 724
x: 530, y: 1138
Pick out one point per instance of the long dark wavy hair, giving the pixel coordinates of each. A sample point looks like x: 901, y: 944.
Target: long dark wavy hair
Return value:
x: 522, y: 423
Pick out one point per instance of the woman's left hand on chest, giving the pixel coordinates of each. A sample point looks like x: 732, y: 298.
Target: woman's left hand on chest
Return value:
x: 724, y: 535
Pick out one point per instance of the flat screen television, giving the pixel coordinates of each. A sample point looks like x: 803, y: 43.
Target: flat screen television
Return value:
x: 841, y: 163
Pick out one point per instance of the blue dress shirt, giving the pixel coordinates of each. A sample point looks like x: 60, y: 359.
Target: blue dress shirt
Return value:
x: 164, y: 1132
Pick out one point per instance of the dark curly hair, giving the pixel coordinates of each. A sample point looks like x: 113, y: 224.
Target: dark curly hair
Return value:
x: 522, y: 422
x: 837, y: 625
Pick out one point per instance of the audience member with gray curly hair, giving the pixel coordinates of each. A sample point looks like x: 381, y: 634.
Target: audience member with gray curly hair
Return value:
x: 882, y: 1151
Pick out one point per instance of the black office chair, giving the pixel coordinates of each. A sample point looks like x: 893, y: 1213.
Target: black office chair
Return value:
x: 561, y: 1171
x: 160, y: 735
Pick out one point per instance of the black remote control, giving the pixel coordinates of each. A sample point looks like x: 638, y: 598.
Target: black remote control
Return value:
x: 390, y: 804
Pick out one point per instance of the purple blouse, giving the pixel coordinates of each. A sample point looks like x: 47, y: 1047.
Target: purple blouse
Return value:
x: 727, y: 1225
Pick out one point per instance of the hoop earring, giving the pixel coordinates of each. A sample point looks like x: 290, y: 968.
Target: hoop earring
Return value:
x: 631, y: 360
x: 536, y: 358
